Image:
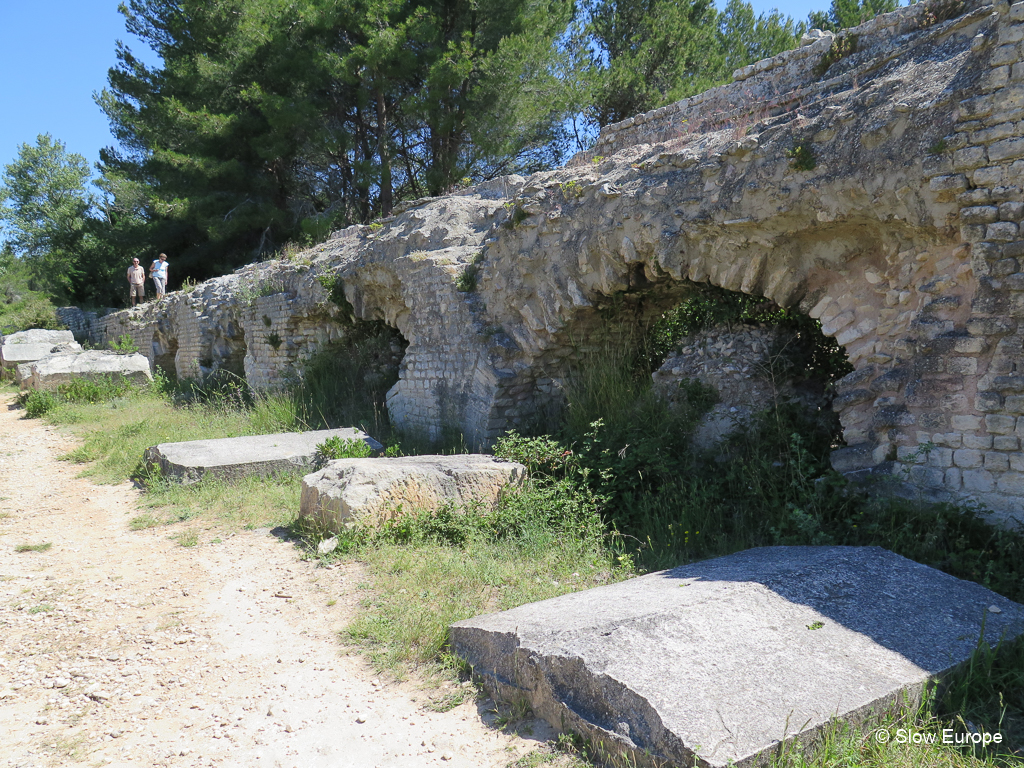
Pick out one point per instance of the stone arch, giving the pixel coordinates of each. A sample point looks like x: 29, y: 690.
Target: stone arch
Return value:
x: 885, y: 291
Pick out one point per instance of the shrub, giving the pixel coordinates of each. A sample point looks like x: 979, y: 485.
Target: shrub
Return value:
x: 337, y: 447
x: 39, y: 402
x: 124, y: 345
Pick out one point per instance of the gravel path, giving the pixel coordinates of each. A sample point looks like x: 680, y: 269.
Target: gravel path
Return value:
x: 124, y: 648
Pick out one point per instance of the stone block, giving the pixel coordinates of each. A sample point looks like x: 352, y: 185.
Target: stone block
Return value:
x: 978, y: 481
x: 50, y: 372
x: 1005, y: 442
x: 1011, y: 483
x: 367, y: 492
x: 967, y: 458
x: 965, y: 423
x: 233, y: 458
x: 996, y: 424
x: 1012, y: 210
x: 996, y: 462
x: 14, y: 355
x: 38, y: 336
x: 1007, y: 149
x: 1001, y: 231
x: 719, y: 661
x: 988, y: 402
x: 980, y: 214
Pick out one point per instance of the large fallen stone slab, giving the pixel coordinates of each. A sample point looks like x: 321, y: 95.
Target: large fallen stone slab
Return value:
x: 231, y: 458
x: 38, y: 336
x: 52, y: 371
x: 13, y: 356
x: 718, y: 662
x: 349, y: 492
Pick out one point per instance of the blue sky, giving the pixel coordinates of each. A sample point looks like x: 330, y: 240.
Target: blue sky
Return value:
x: 54, y: 54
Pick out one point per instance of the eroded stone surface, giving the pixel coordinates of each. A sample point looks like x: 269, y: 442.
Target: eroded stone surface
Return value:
x: 52, y: 371
x: 38, y: 336
x: 16, y: 355
x: 721, y: 660
x: 369, y: 491
x: 231, y: 458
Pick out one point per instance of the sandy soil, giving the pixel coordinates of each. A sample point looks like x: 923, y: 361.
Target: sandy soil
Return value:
x: 124, y: 648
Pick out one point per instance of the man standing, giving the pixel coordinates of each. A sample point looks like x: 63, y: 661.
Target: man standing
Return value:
x: 136, y: 282
x: 158, y: 271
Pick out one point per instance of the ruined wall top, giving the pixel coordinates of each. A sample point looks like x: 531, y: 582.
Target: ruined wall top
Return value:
x: 824, y: 63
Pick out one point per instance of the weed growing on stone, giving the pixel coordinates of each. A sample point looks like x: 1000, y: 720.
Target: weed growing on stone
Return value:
x: 801, y: 157
x: 124, y: 345
x: 340, y: 448
x: 842, y: 46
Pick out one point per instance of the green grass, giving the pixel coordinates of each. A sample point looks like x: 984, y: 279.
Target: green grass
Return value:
x: 615, y: 491
x: 247, y: 503
x: 33, y: 547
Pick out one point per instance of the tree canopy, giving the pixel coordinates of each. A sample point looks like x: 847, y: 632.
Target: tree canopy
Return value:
x: 269, y: 121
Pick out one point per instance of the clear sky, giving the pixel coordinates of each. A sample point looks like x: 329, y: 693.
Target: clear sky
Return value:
x: 54, y: 54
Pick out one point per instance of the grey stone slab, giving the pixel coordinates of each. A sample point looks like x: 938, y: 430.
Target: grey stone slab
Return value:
x: 350, y: 492
x: 235, y: 457
x: 12, y: 356
x: 722, y: 660
x: 38, y: 336
x: 51, y: 371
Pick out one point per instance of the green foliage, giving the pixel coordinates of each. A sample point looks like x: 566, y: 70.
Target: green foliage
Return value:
x: 33, y: 547
x: 21, y: 307
x: 467, y: 280
x: 274, y: 340
x: 39, y: 402
x: 807, y: 351
x: 340, y: 448
x: 335, y: 286
x: 44, y: 203
x: 938, y: 148
x: 263, y: 124
x: 801, y: 157
x: 572, y: 189
x: 938, y: 11
x: 648, y: 54
x: 124, y: 345
x: 849, y: 13
x: 841, y: 47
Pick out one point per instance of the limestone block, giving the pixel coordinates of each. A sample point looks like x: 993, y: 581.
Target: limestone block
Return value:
x: 38, y: 336
x: 712, y: 663
x: 13, y: 356
x: 358, y: 492
x: 232, y: 458
x: 51, y: 372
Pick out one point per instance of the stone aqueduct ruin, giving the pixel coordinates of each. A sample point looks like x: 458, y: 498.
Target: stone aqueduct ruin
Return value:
x: 873, y: 179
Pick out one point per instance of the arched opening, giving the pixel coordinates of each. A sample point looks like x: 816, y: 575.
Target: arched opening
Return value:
x: 164, y: 353
x: 346, y: 382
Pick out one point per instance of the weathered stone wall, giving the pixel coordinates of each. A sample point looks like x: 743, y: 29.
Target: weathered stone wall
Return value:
x: 881, y: 194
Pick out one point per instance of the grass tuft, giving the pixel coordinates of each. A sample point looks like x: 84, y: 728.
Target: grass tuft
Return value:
x: 33, y: 547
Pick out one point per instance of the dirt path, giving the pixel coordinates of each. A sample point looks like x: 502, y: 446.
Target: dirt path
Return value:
x: 124, y: 648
